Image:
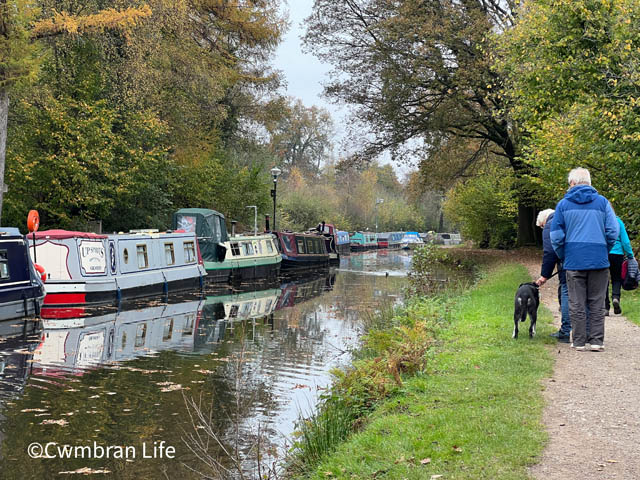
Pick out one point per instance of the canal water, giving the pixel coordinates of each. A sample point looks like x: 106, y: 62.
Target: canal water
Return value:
x: 166, y: 390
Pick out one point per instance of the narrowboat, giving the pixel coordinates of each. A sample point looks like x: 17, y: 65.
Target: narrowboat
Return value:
x: 363, y: 241
x: 21, y: 287
x: 89, y: 268
x: 390, y: 240
x: 229, y: 259
x: 343, y: 244
x: 329, y: 232
x: 411, y: 240
x: 302, y: 250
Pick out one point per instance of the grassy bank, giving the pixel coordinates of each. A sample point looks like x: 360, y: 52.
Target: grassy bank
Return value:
x: 473, y: 410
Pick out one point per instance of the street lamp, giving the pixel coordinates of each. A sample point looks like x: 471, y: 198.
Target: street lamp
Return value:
x: 275, y: 173
x: 378, y: 202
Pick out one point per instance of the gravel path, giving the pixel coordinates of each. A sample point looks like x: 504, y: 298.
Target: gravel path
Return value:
x: 592, y: 411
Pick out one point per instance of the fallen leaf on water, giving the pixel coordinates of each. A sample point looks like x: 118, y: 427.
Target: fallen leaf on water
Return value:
x: 60, y: 422
x: 84, y: 471
x: 206, y: 372
x: 33, y: 410
x: 425, y: 461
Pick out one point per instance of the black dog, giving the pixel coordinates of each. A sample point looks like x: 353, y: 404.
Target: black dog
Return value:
x: 527, y: 301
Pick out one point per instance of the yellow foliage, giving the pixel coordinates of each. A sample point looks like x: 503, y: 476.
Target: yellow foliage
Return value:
x: 109, y: 19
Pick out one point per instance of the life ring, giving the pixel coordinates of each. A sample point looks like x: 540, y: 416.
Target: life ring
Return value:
x: 40, y: 270
x: 33, y: 221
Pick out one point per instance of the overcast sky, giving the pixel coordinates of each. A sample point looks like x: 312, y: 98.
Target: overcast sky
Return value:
x: 305, y: 74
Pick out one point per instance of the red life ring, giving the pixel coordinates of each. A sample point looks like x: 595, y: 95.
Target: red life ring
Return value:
x: 40, y: 270
x: 33, y: 221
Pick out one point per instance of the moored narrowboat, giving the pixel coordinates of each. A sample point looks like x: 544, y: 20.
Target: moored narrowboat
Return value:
x: 302, y: 250
x: 329, y: 232
x: 363, y: 241
x: 229, y: 259
x: 89, y: 268
x: 343, y: 244
x: 411, y: 240
x: 21, y: 288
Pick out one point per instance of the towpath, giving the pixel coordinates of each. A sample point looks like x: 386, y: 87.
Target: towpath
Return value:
x: 592, y: 412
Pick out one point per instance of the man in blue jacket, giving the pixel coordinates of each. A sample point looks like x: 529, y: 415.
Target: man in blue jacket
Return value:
x: 583, y: 230
x: 549, y: 262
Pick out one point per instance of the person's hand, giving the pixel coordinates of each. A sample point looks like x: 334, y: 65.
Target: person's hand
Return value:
x: 541, y: 281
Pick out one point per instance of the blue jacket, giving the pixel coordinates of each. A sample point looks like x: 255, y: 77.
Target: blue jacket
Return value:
x: 623, y: 245
x: 584, y: 229
x: 549, y: 257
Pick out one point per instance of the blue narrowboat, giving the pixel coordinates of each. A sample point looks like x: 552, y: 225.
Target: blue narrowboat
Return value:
x: 390, y: 240
x: 343, y: 243
x: 21, y: 289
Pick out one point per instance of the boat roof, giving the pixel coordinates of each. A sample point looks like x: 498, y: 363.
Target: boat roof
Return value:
x: 206, y: 212
x: 62, y: 234
x: 12, y: 231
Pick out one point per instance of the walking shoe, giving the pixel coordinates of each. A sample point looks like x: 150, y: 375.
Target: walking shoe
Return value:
x: 560, y: 336
x: 616, y: 306
x: 597, y: 348
x: 579, y: 349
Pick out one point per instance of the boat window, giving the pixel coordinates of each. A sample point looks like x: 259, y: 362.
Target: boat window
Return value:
x: 247, y: 249
x: 309, y: 245
x: 141, y: 335
x: 318, y: 243
x: 169, y: 254
x: 168, y: 330
x: 269, y: 246
x: 124, y: 340
x: 233, y: 311
x: 4, y: 265
x: 188, y: 325
x: 189, y: 252
x: 300, y: 242
x: 125, y: 255
x: 143, y: 258
x: 257, y: 247
x: 235, y: 249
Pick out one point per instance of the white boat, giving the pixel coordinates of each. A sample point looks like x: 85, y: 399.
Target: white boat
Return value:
x: 88, y: 268
x: 411, y: 240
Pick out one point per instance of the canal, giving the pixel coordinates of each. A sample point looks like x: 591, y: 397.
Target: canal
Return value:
x: 166, y: 390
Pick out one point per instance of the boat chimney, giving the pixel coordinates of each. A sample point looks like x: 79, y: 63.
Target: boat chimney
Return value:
x: 233, y: 228
x: 266, y: 223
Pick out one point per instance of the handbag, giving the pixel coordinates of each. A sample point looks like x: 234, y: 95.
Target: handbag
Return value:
x: 630, y: 274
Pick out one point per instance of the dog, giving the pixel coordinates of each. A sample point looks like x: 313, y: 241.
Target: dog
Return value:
x: 527, y: 301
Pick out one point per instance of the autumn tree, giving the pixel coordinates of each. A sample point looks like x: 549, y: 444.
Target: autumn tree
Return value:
x: 419, y: 76
x: 574, y: 83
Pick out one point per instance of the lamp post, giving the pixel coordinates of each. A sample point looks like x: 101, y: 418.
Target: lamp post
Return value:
x: 275, y: 173
x: 255, y: 219
x: 378, y: 202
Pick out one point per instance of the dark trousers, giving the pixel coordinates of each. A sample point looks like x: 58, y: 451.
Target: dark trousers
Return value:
x: 587, y: 291
x: 615, y: 260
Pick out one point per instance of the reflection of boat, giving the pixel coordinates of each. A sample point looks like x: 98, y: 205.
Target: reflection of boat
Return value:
x: 21, y: 290
x: 17, y: 343
x: 72, y: 344
x: 227, y: 259
x: 86, y: 267
x: 305, y: 288
x: 411, y: 240
x: 363, y: 241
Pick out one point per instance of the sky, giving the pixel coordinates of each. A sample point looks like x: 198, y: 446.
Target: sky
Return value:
x: 305, y: 74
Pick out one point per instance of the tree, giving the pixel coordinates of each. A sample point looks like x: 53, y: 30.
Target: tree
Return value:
x: 419, y: 74
x: 301, y: 137
x: 16, y: 52
x: 573, y: 80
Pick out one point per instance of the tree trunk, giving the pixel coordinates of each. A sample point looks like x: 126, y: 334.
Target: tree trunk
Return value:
x: 526, y: 225
x: 4, y: 114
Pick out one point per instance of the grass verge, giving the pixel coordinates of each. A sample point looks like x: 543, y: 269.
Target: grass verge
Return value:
x: 473, y: 412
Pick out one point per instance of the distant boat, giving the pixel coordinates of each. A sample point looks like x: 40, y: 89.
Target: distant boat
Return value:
x: 86, y: 268
x: 330, y: 234
x: 363, y: 241
x: 390, y: 240
x: 411, y: 240
x: 229, y: 259
x: 343, y: 244
x: 21, y: 289
x: 302, y: 250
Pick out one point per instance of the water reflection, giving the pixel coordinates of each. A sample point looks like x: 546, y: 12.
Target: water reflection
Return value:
x: 252, y: 357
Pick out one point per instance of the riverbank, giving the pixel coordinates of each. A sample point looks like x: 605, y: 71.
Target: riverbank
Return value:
x: 474, y: 411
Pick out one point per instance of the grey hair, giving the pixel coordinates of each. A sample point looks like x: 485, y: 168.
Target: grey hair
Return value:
x: 543, y: 216
x: 579, y: 176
